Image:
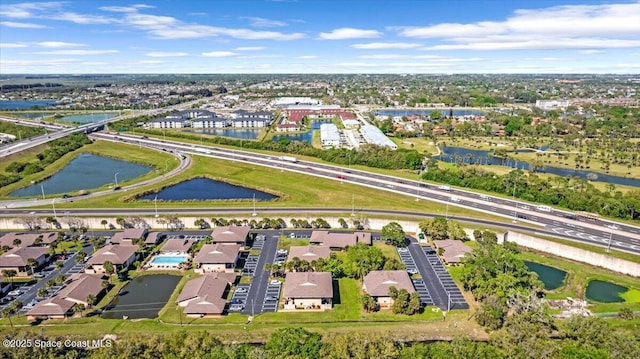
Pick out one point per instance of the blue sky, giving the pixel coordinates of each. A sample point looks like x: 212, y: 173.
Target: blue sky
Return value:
x: 330, y: 36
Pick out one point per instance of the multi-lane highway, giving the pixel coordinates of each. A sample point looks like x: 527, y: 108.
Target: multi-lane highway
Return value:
x: 552, y: 222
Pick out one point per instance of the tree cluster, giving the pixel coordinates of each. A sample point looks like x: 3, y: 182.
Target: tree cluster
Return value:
x: 574, y: 194
x: 576, y: 338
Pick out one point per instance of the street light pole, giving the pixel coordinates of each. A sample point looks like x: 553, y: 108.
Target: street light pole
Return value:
x: 42, y: 188
x: 115, y: 178
x: 254, y: 205
x: 166, y: 164
x: 53, y: 204
x: 155, y: 203
x: 610, y: 238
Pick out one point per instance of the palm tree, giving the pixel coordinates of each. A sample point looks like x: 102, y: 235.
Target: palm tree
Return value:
x: 31, y: 262
x: 80, y: 257
x: 109, y: 269
x: 6, y: 313
x: 105, y: 284
x: 79, y: 308
x: 104, y: 223
x: 59, y: 264
x: 91, y: 300
x: 42, y: 292
x: 9, y: 273
x: 60, y: 278
x: 17, y: 242
x: 50, y: 283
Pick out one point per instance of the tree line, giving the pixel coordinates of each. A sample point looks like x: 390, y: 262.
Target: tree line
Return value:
x: 572, y: 193
x: 576, y: 338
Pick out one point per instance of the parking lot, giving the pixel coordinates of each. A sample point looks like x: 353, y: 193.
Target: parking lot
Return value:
x: 442, y: 290
x: 272, y: 296
x: 239, y: 298
x: 456, y: 298
x: 418, y: 284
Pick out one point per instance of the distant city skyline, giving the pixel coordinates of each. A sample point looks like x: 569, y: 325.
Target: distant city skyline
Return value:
x: 329, y: 36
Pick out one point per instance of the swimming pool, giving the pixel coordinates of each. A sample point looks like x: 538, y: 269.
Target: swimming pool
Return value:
x: 168, y: 259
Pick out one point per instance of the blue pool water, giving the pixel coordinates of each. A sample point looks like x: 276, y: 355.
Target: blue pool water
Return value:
x: 169, y: 259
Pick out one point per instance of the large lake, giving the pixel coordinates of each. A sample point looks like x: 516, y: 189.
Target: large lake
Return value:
x: 25, y: 104
x: 207, y: 189
x: 143, y: 297
x: 87, y: 118
x: 454, y: 154
x: 85, y: 172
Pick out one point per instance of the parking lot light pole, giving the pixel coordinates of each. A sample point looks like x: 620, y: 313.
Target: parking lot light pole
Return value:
x: 115, y: 178
x: 254, y: 205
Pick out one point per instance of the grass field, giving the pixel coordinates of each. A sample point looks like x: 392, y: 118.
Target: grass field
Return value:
x: 579, y: 274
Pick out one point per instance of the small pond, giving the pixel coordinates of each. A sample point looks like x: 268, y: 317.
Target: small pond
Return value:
x: 605, y: 292
x: 85, y: 172
x: 244, y: 134
x: 206, y: 189
x: 304, y: 136
x: 87, y: 118
x: 143, y: 297
x: 552, y: 278
x: 25, y: 104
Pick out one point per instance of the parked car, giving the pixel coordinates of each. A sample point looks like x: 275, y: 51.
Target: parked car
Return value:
x: 241, y: 290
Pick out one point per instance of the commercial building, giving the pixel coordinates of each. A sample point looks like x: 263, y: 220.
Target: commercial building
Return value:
x: 329, y: 135
x: 374, y: 136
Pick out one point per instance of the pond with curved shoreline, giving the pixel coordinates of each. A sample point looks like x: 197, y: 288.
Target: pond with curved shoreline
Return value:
x: 201, y: 189
x: 551, y: 277
x: 86, y: 171
x: 605, y: 292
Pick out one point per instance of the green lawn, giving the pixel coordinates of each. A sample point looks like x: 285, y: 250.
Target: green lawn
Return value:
x: 579, y: 274
x: 388, y: 250
x: 286, y: 243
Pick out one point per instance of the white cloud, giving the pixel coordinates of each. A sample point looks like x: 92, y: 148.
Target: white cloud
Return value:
x: 307, y: 57
x: 77, y: 52
x: 589, y: 27
x: 82, y: 19
x: 262, y: 22
x: 167, y: 54
x: 219, y: 54
x: 132, y: 8
x: 540, y: 44
x: 386, y: 45
x: 26, y: 10
x: 12, y: 45
x: 590, y: 52
x: 151, y: 62
x: 250, y: 48
x: 384, y: 56
x: 348, y: 33
x: 58, y: 44
x: 166, y: 27
x: 21, y: 25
